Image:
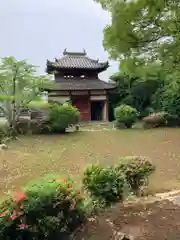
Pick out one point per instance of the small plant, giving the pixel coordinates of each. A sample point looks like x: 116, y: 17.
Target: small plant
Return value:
x: 104, y: 184
x: 61, y: 117
x: 136, y: 171
x: 126, y: 115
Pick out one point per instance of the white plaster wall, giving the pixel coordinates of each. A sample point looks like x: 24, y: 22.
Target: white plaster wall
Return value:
x: 98, y: 98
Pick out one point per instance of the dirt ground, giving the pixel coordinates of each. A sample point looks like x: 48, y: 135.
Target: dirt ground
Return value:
x: 150, y: 221
x: 33, y: 156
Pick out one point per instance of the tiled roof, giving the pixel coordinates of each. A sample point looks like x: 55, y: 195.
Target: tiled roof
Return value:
x: 81, y: 84
x: 75, y: 60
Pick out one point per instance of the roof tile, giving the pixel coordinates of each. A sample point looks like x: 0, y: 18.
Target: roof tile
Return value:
x: 77, y: 61
x: 83, y: 84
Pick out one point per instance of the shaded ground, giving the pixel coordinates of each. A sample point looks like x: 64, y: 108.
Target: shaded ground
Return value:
x: 155, y: 221
x: 32, y: 156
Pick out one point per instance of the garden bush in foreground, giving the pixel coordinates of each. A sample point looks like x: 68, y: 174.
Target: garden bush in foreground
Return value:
x: 47, y: 209
x: 126, y: 115
x: 136, y: 170
x: 104, y: 183
x: 51, y: 208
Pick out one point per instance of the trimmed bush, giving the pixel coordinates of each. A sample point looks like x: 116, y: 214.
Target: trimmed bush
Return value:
x: 46, y: 209
x: 156, y: 119
x: 136, y: 170
x: 126, y: 115
x: 161, y: 119
x: 61, y: 117
x: 104, y: 184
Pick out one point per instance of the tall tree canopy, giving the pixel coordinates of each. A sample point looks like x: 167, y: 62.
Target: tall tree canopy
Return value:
x: 144, y: 36
x: 143, y: 30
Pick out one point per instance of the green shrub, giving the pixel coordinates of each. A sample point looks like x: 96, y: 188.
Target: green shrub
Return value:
x: 156, y: 119
x: 104, y: 184
x: 126, y: 115
x: 136, y: 171
x: 161, y: 119
x: 46, y: 209
x: 63, y: 116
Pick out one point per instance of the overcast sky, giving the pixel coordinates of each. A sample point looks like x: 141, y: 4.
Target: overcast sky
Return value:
x: 41, y: 29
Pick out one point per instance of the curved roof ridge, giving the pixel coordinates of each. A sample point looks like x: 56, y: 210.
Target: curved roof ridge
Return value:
x: 74, y: 60
x: 69, y: 53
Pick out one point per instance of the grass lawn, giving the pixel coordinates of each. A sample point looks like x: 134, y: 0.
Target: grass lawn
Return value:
x: 32, y: 156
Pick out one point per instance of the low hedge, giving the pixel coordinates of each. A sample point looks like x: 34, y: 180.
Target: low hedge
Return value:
x: 107, y: 184
x: 161, y: 119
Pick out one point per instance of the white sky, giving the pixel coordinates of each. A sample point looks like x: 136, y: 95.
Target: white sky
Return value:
x: 41, y: 29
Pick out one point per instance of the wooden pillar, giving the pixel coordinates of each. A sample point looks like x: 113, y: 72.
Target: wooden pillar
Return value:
x: 105, y: 112
x: 89, y: 105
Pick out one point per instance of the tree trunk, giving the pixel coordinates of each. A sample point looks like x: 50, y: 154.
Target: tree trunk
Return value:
x: 13, y: 123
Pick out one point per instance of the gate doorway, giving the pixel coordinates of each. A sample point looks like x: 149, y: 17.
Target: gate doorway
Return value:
x: 97, y: 109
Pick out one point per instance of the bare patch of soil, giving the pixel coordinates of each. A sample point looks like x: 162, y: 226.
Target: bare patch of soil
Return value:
x: 153, y: 221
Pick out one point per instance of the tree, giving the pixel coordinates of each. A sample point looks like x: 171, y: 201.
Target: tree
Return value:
x: 142, y: 34
x: 19, y: 85
x: 144, y: 30
x: 136, y: 86
x: 167, y: 98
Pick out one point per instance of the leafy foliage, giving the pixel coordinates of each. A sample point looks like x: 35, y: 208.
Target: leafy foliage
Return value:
x: 61, y: 117
x: 19, y: 85
x: 105, y: 184
x: 52, y: 208
x: 138, y: 89
x: 136, y: 170
x: 145, y: 29
x: 144, y: 36
x: 126, y: 114
x: 47, y: 209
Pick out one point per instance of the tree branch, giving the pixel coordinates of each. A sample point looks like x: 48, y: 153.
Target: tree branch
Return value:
x: 3, y: 89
